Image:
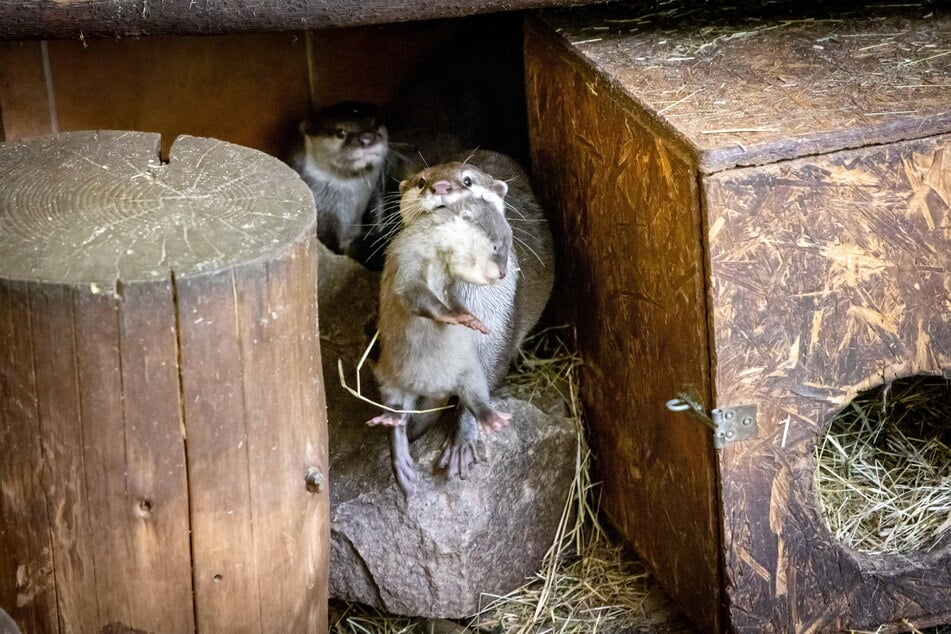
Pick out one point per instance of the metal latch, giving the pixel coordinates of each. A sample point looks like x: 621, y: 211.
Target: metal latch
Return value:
x: 729, y: 424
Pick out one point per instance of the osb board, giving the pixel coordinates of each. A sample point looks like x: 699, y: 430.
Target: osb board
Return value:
x: 625, y: 210
x: 251, y: 89
x: 43, y: 19
x: 829, y: 275
x: 737, y: 87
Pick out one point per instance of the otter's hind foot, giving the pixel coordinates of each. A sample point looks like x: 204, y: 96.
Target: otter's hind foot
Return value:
x: 456, y: 457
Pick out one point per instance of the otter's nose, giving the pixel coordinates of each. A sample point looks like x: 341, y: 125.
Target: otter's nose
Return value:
x: 367, y: 138
x: 441, y: 188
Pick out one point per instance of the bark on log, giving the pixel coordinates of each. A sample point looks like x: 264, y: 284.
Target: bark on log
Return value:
x: 160, y: 389
x: 52, y: 19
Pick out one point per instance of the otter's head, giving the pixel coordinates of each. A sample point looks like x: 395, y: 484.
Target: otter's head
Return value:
x: 474, y: 240
x: 347, y: 138
x: 442, y: 186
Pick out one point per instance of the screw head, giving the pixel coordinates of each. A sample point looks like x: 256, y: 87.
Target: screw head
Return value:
x: 729, y: 414
x: 747, y: 421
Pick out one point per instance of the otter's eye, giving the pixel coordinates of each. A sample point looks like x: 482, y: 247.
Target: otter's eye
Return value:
x: 467, y: 181
x: 341, y: 133
x: 421, y: 183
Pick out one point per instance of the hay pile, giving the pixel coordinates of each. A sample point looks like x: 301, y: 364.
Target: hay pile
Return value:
x: 883, y: 479
x: 587, y: 583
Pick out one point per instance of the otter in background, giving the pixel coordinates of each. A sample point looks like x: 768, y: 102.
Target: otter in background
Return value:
x: 344, y: 156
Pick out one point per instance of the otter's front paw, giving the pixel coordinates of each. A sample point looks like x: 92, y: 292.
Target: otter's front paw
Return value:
x: 494, y: 421
x: 387, y: 419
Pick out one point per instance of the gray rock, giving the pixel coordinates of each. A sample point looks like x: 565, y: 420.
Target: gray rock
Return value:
x: 436, y: 553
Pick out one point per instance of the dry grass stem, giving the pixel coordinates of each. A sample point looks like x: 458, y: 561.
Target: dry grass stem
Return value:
x: 884, y: 469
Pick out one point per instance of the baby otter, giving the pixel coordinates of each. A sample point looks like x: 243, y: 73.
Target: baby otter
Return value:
x: 495, y: 177
x: 445, y: 302
x: 341, y: 154
x: 447, y: 194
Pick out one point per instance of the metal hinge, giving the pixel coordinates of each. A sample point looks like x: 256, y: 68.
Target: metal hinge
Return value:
x: 729, y: 424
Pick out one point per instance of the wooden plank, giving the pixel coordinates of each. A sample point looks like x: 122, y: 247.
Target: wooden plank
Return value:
x: 57, y: 396
x: 287, y: 438
x: 261, y: 87
x: 626, y: 210
x: 102, y: 432
x: 227, y: 587
x: 24, y: 99
x: 830, y: 275
x: 747, y: 85
x: 49, y: 19
x: 27, y: 588
x: 152, y: 530
x: 249, y: 363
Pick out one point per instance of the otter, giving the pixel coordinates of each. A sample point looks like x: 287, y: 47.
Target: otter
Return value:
x: 487, y: 175
x: 343, y: 154
x: 458, y: 225
x: 445, y: 302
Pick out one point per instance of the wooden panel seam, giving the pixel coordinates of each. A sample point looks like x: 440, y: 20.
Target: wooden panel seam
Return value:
x: 181, y: 413
x: 558, y: 47
x: 711, y: 395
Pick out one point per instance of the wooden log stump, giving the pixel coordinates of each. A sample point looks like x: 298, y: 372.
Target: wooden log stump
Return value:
x: 162, y: 421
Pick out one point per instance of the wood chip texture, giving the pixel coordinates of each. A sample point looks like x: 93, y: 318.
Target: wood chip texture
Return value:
x: 760, y: 210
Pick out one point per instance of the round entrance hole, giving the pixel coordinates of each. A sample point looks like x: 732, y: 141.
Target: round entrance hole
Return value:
x: 883, y: 475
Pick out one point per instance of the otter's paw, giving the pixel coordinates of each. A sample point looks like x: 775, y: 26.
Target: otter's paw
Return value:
x: 494, y: 421
x: 387, y: 419
x: 456, y: 457
x: 465, y: 319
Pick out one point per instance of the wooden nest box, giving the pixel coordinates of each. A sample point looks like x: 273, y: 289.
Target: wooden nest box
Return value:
x: 758, y: 210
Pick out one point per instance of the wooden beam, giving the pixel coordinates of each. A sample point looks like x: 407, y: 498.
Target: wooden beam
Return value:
x: 57, y: 19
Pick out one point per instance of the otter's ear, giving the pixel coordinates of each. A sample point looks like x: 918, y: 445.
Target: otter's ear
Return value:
x: 500, y: 187
x: 306, y: 127
x: 404, y: 185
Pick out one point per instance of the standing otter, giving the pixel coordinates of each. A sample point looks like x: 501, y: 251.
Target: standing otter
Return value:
x: 343, y: 155
x: 458, y: 225
x: 441, y: 272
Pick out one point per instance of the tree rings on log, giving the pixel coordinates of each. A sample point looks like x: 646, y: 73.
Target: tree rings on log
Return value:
x: 99, y: 207
x: 161, y: 400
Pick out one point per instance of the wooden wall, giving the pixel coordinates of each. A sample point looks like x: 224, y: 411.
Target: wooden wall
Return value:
x: 251, y: 89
